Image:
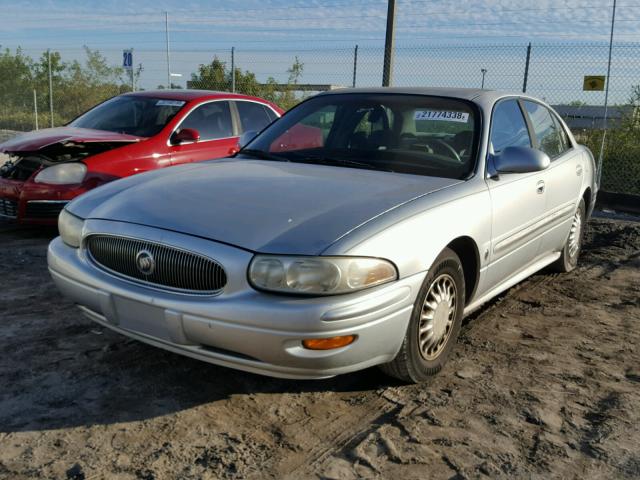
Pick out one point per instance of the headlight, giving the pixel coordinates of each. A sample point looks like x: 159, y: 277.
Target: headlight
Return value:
x: 70, y: 228
x: 65, y: 173
x: 319, y: 275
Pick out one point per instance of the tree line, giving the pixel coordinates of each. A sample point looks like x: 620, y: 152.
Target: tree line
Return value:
x: 79, y: 85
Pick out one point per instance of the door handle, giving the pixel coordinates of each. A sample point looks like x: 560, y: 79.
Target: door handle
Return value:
x: 540, y: 187
x: 579, y: 170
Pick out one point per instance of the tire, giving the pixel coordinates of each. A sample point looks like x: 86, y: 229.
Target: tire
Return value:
x: 568, y: 260
x: 415, y: 363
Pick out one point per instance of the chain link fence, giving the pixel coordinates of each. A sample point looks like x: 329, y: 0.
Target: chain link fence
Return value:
x: 552, y: 72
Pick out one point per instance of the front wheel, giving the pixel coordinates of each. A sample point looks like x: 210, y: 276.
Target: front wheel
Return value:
x: 435, y: 322
x: 571, y: 251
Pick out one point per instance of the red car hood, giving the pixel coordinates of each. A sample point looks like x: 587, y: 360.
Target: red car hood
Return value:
x: 32, y: 141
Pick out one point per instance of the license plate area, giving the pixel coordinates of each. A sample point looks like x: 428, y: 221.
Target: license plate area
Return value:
x: 141, y: 318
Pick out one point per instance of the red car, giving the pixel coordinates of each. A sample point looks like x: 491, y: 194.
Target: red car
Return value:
x: 125, y: 135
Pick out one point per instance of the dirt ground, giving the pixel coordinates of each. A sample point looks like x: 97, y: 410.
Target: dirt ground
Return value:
x: 545, y: 382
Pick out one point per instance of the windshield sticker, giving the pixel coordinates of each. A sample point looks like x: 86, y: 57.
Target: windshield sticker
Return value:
x: 442, y: 115
x: 169, y: 103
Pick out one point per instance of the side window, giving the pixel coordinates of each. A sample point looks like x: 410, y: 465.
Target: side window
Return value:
x: 545, y: 129
x: 212, y: 120
x: 508, y: 127
x: 564, y: 138
x: 253, y: 116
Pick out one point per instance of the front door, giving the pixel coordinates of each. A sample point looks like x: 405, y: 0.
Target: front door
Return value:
x: 218, y: 135
x: 517, y: 199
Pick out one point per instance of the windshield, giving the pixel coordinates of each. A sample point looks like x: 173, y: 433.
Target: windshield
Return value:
x: 415, y: 134
x: 133, y: 115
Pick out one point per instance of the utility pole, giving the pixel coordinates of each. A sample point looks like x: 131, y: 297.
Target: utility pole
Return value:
x: 131, y: 72
x: 484, y: 72
x: 35, y: 106
x: 387, y: 71
x: 526, y: 69
x: 606, y: 94
x: 166, y: 31
x: 233, y: 70
x: 50, y: 87
x: 355, y: 65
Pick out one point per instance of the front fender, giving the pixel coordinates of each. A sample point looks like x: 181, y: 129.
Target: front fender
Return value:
x: 415, y: 234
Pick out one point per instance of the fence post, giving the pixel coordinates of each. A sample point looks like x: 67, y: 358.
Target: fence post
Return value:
x: 526, y: 69
x: 35, y: 106
x: 355, y: 65
x: 233, y: 69
x: 387, y: 66
x: 50, y: 86
x: 606, y: 96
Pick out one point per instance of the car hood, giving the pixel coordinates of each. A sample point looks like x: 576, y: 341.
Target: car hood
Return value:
x: 38, y: 139
x: 262, y: 206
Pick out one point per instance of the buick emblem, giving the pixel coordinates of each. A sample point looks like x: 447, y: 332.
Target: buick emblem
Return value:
x: 145, y: 262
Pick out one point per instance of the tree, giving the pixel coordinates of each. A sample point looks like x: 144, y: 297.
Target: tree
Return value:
x: 77, y: 86
x: 216, y: 76
x: 211, y: 76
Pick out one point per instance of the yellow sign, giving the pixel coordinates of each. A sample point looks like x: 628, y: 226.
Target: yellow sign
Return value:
x: 593, y: 82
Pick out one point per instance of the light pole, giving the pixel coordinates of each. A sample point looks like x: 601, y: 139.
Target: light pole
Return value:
x: 484, y: 72
x: 166, y: 33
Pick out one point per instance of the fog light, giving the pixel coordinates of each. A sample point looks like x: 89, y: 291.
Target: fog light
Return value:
x: 328, y: 343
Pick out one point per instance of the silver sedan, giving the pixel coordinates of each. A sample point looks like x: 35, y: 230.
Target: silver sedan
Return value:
x: 357, y: 230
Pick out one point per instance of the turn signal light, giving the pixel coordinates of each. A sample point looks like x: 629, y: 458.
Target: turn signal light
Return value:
x: 328, y: 343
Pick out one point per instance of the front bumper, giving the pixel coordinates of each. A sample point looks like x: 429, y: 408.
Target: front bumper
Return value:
x: 240, y: 328
x: 32, y: 203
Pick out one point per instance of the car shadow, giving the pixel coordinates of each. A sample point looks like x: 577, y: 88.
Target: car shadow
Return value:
x: 9, y: 229
x: 92, y: 376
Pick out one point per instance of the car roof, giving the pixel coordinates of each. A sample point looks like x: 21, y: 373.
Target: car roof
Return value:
x: 474, y: 94
x: 188, y: 95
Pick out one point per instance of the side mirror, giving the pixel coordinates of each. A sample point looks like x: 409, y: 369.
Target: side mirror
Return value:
x: 185, y: 135
x: 520, y: 160
x: 246, y: 137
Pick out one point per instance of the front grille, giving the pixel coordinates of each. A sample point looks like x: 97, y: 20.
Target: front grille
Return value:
x: 44, y: 209
x: 8, y: 208
x: 155, y: 264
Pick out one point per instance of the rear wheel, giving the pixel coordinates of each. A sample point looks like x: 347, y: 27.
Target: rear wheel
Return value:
x: 572, y: 247
x: 435, y: 322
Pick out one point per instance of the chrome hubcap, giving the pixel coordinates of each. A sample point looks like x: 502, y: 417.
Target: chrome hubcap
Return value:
x: 574, y: 234
x: 437, y: 316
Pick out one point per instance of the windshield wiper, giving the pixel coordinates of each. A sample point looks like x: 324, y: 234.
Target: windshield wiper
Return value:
x: 262, y: 155
x: 322, y: 160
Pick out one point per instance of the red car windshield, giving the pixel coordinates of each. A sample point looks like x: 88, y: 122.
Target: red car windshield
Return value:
x: 133, y: 115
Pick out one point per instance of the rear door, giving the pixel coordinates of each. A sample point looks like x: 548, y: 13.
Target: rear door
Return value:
x: 253, y: 116
x: 517, y: 199
x: 563, y: 178
x: 218, y: 134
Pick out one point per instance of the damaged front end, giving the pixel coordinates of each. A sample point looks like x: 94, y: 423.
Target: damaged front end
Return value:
x: 21, y: 165
x: 36, y: 185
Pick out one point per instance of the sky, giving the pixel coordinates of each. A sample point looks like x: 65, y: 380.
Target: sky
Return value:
x: 267, y: 34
